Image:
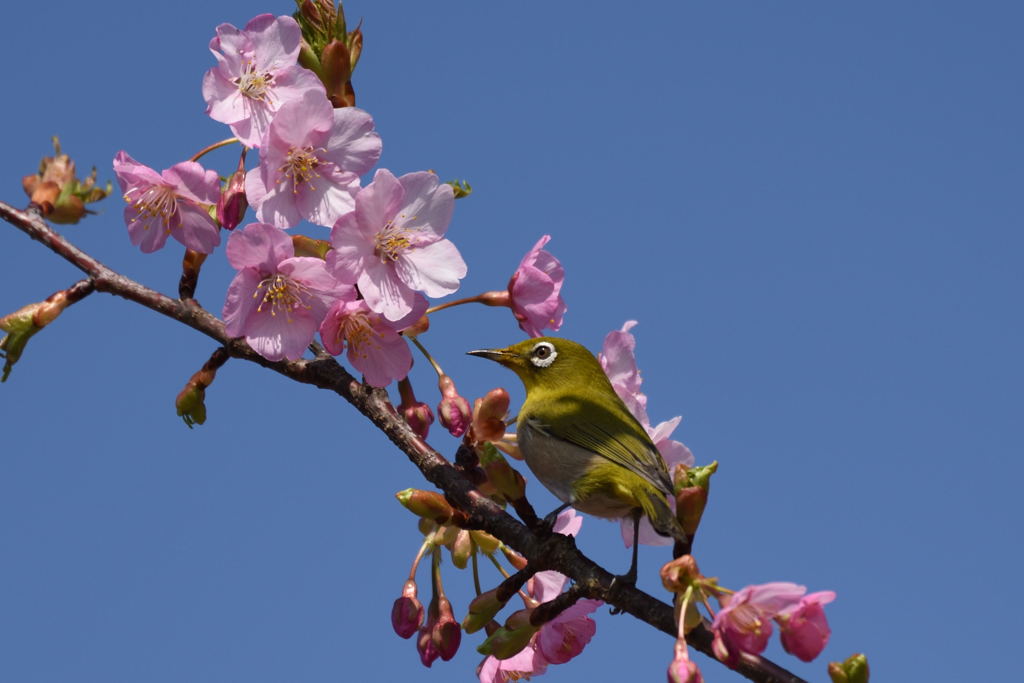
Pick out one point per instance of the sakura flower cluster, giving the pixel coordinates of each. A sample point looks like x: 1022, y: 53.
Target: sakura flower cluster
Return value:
x: 388, y: 238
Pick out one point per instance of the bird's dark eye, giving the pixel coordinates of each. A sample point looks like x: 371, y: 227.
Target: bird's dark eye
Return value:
x: 543, y: 354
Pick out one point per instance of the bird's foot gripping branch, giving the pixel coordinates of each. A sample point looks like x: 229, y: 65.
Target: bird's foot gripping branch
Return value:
x: 299, y: 303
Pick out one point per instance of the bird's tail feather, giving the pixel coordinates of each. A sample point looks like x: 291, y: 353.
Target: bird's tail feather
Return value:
x: 662, y: 518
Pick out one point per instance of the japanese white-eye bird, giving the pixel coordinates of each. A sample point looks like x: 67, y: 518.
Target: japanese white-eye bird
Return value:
x: 580, y: 440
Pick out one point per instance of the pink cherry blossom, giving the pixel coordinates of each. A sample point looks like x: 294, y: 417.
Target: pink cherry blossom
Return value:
x: 257, y: 73
x: 374, y: 346
x: 168, y: 203
x: 392, y: 244
x: 618, y: 359
x: 803, y: 628
x: 560, y: 639
x: 310, y: 162
x: 744, y: 624
x: 277, y: 300
x: 535, y: 290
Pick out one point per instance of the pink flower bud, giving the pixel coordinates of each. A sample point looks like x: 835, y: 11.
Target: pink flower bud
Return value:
x: 426, y: 647
x: 419, y: 417
x: 453, y: 411
x: 682, y: 669
x: 407, y: 612
x: 446, y: 634
x: 804, y: 629
x: 232, y: 203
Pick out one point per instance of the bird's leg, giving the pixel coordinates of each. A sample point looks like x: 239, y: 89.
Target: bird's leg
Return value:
x: 629, y: 578
x: 548, y: 523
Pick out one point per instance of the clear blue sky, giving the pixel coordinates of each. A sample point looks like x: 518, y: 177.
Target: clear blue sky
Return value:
x: 813, y: 209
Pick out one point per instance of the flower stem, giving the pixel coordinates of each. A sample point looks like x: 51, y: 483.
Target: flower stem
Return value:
x: 419, y: 557
x: 457, y: 302
x: 209, y: 148
x: 476, y: 567
x: 426, y: 354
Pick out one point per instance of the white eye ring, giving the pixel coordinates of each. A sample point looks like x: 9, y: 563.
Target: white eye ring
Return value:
x: 543, y: 354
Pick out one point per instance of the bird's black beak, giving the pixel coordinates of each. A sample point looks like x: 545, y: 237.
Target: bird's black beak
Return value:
x: 498, y: 355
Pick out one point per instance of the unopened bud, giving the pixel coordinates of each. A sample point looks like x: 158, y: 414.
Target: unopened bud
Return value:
x: 461, y: 548
x: 487, y: 543
x: 854, y: 669
x: 427, y: 504
x: 514, y: 558
x: 419, y: 417
x: 22, y: 325
x: 447, y: 634
x: 426, y: 647
x: 336, y: 62
x: 680, y: 574
x: 482, y: 610
x: 417, y: 414
x: 510, y: 639
x: 232, y: 203
x: 692, y: 486
x: 407, y: 612
x: 453, y: 410
x: 190, y: 405
x: 508, y: 482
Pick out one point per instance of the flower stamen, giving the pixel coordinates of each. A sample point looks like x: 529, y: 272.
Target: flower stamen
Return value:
x: 255, y: 86
x: 155, y: 201
x: 282, y: 295
x: 299, y: 167
x: 359, y: 333
x: 390, y: 242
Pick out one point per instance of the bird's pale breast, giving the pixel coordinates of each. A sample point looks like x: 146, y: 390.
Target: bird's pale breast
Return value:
x: 557, y: 464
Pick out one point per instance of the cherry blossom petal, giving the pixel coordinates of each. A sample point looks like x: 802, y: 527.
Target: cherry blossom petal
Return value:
x: 240, y: 301
x: 385, y: 293
x: 146, y: 232
x: 434, y: 269
x: 377, y: 203
x: 353, y: 143
x: 331, y: 196
x: 275, y: 40
x: 429, y: 204
x: 196, y: 229
x: 276, y: 337
x: 259, y: 246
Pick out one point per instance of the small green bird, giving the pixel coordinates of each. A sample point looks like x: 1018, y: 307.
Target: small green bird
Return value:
x: 580, y: 440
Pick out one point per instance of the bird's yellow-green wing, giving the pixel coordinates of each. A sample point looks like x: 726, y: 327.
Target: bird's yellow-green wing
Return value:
x: 609, y: 430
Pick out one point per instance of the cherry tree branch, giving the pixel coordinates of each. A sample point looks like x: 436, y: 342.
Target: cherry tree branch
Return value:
x: 542, y: 550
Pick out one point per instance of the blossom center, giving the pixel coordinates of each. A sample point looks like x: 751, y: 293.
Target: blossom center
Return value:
x: 747, y: 619
x: 300, y: 167
x: 280, y: 294
x: 254, y: 85
x: 154, y: 201
x: 357, y: 330
x: 389, y: 243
